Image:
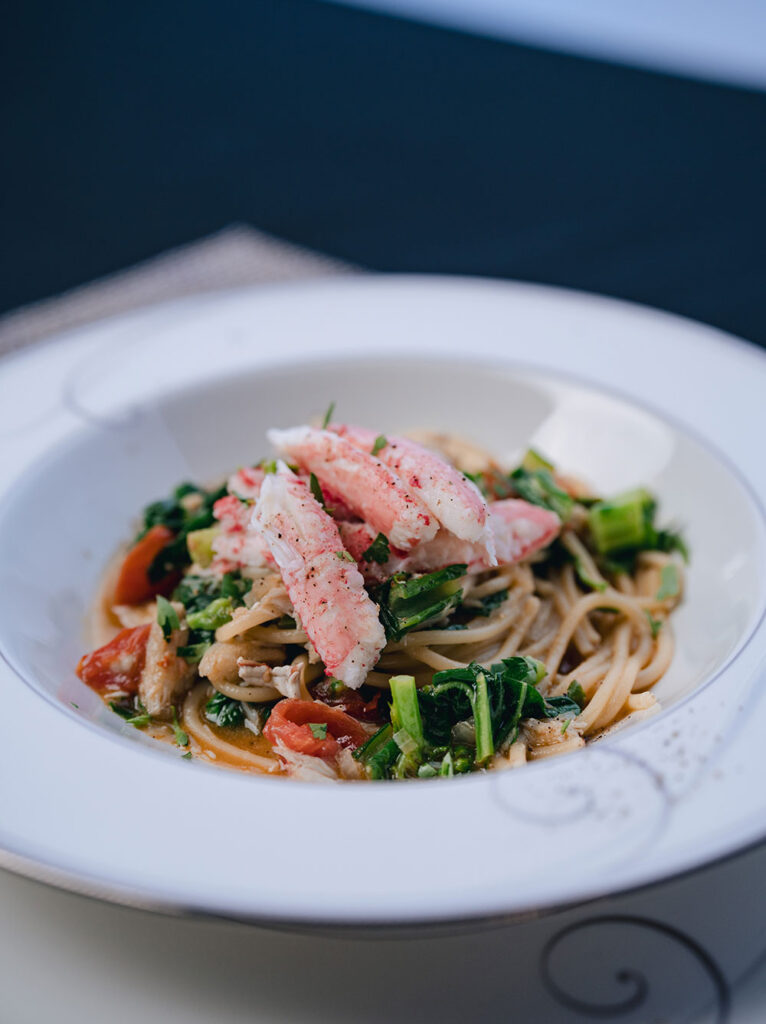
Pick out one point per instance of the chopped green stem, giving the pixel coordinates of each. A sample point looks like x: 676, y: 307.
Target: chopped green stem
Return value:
x: 405, y: 713
x: 623, y: 523
x: 482, y: 718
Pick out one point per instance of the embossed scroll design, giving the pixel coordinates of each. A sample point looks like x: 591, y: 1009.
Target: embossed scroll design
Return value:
x: 636, y: 984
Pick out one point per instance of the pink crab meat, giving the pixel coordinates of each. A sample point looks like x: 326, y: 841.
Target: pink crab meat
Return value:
x: 518, y: 530
x: 235, y: 546
x: 321, y: 578
x: 453, y: 499
x: 367, y: 486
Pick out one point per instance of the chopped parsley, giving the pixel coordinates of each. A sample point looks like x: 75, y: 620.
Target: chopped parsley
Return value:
x: 318, y: 730
x: 379, y: 551
x: 134, y: 713
x: 380, y: 443
x: 180, y: 737
x: 345, y: 556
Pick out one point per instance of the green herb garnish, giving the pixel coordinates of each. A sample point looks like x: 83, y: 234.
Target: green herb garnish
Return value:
x: 167, y: 617
x: 380, y: 443
x: 136, y: 715
x: 316, y: 490
x: 180, y: 737
x: 328, y: 415
x: 379, y: 551
x: 318, y: 730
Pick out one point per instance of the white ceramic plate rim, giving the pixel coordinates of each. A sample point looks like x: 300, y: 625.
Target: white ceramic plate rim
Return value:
x: 691, y: 353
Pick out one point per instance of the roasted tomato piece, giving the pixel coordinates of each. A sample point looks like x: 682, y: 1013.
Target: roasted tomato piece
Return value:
x: 117, y: 665
x: 133, y: 584
x: 291, y: 720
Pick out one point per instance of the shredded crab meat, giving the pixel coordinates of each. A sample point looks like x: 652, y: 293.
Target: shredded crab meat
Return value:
x: 518, y: 529
x: 370, y: 489
x: 284, y: 678
x: 453, y: 499
x: 322, y: 580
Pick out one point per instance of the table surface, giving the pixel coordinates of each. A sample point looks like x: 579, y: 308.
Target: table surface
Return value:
x: 695, y: 950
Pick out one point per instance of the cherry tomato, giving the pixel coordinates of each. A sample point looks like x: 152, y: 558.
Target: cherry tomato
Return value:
x: 289, y: 723
x: 117, y: 665
x: 133, y: 584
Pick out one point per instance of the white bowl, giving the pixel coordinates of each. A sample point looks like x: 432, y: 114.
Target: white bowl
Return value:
x: 121, y: 413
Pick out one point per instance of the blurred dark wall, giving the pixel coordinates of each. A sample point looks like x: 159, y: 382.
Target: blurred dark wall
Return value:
x: 130, y: 128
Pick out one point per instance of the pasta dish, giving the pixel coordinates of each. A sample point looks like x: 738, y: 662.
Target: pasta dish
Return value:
x: 362, y: 606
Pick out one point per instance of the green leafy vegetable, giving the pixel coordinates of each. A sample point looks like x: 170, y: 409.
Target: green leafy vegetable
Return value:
x: 180, y: 737
x: 224, y: 711
x: 193, y: 653
x: 345, y: 556
x: 409, y: 601
x: 670, y: 541
x: 379, y: 551
x: 576, y: 694
x: 538, y: 487
x: 380, y: 443
x: 670, y: 582
x: 318, y: 730
x: 134, y: 713
x: 379, y: 754
x: 328, y: 415
x: 167, y: 617
x: 534, y: 461
x: 623, y: 523
x: 458, y: 695
x: 270, y: 466
x: 187, y: 756
x: 188, y: 510
x: 216, y: 614
x: 489, y: 603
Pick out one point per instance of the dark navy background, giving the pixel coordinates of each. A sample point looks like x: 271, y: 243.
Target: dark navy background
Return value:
x: 129, y: 128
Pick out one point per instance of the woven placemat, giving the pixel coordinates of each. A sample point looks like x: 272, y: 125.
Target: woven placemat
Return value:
x: 236, y: 256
